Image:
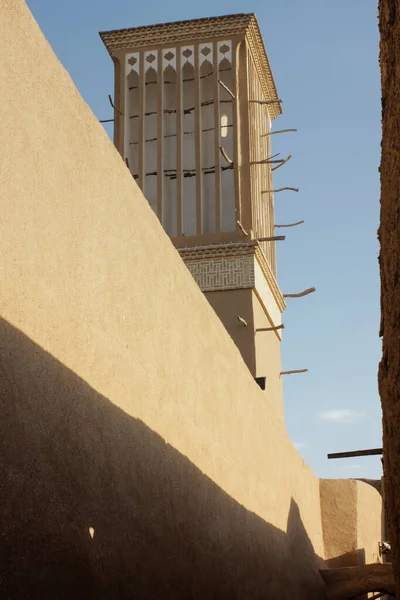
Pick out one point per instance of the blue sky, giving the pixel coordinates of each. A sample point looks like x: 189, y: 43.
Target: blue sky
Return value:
x: 324, y: 56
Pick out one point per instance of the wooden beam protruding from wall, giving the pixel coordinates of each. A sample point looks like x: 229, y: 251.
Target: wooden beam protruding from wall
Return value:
x: 293, y: 371
x: 351, y: 454
x: 301, y: 294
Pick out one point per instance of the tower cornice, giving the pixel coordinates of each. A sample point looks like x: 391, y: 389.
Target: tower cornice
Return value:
x: 165, y: 34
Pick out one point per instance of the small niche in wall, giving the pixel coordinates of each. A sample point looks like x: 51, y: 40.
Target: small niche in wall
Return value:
x: 261, y: 382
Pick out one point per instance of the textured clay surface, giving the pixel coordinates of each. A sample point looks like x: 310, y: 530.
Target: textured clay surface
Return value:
x: 389, y: 259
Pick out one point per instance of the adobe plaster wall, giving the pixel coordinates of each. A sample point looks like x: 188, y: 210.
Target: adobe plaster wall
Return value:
x: 351, y: 522
x: 268, y: 357
x: 369, y: 520
x: 126, y: 407
x: 228, y: 305
x: 262, y: 357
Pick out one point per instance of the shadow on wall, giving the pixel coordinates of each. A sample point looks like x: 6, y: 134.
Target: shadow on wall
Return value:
x: 72, y: 461
x: 350, y: 559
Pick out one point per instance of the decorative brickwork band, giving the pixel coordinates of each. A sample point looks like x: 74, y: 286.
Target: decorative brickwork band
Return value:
x: 232, y: 266
x: 236, y: 266
x: 215, y: 274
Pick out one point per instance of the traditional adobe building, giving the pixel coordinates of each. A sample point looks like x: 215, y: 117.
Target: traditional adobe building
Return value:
x: 138, y: 456
x: 196, y: 100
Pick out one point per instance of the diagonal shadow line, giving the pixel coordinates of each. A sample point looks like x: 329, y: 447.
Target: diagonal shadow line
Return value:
x: 71, y: 460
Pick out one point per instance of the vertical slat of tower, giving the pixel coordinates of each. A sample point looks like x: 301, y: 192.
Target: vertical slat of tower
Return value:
x: 217, y: 136
x: 188, y: 142
x: 255, y: 170
x: 179, y: 111
x: 197, y: 132
x: 160, y: 134
x: 261, y: 169
x: 244, y: 149
x: 124, y: 139
x: 119, y: 100
x: 271, y: 201
x: 235, y: 125
x: 253, y: 149
x: 141, y: 145
x: 264, y: 170
x: 252, y: 146
x: 258, y: 168
x: 269, y: 198
x: 266, y: 198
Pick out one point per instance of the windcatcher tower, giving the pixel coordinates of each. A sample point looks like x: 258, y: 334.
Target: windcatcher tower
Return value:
x: 194, y: 102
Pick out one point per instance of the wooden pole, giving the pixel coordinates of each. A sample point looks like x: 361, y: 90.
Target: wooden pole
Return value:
x: 278, y: 100
x: 267, y: 160
x: 274, y: 238
x: 275, y: 132
x: 242, y: 229
x: 294, y: 371
x: 221, y: 83
x: 283, y: 162
x: 300, y: 294
x: 242, y: 321
x: 224, y: 154
x: 279, y: 190
x: 370, y: 452
x: 275, y: 328
x: 112, y: 104
x: 290, y: 224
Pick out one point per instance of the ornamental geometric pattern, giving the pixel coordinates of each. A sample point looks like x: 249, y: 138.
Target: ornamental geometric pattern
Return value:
x: 169, y: 58
x: 218, y: 266
x: 225, y: 51
x: 206, y: 53
x: 150, y: 60
x: 187, y: 55
x: 218, y: 274
x: 132, y: 63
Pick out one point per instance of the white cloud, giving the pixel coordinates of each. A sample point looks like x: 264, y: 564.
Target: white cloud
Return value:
x: 299, y: 445
x: 340, y: 415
